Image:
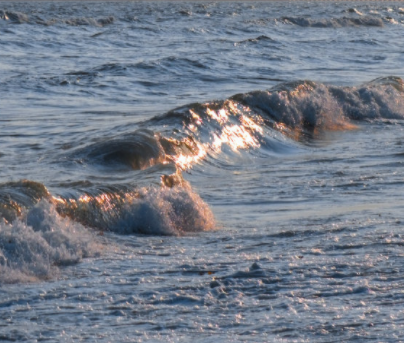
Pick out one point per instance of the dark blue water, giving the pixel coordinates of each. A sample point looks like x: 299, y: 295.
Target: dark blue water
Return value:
x: 177, y: 171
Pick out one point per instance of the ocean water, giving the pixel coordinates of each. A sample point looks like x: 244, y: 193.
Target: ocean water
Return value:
x: 201, y: 171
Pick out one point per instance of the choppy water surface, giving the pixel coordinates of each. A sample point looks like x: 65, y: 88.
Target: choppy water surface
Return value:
x: 201, y: 171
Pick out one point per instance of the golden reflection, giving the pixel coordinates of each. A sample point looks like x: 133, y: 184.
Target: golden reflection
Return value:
x: 184, y: 161
x: 303, y: 88
x: 251, y: 124
x: 280, y: 126
x: 92, y: 210
x: 104, y: 202
x: 237, y: 108
x: 59, y: 200
x: 348, y: 126
x: 85, y: 198
x: 293, y: 133
x: 232, y: 106
x: 197, y: 119
x: 220, y: 116
x: 241, y: 128
x: 217, y: 143
x: 237, y: 136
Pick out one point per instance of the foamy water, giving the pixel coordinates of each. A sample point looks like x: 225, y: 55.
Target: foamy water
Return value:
x: 179, y: 171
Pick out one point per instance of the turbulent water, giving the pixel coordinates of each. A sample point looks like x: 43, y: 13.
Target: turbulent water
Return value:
x: 201, y: 171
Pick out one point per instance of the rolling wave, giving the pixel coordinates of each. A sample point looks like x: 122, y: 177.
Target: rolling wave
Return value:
x: 136, y: 151
x: 41, y: 230
x: 155, y: 211
x: 298, y: 110
x: 15, y: 196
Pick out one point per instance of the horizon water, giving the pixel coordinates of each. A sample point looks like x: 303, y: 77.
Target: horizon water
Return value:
x: 177, y: 171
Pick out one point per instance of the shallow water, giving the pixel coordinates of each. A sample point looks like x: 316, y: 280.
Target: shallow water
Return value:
x: 179, y: 171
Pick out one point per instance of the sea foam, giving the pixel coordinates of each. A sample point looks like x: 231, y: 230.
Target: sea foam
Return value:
x: 33, y: 247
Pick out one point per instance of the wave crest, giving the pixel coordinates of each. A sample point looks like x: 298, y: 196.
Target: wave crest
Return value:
x: 308, y: 105
x: 300, y: 110
x: 137, y: 151
x: 15, y: 197
x: 153, y: 211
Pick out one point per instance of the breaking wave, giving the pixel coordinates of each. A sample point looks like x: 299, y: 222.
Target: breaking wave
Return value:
x: 36, y: 244
x: 41, y: 231
x: 298, y: 110
x: 172, y: 209
x: 17, y: 196
x: 153, y: 211
x: 313, y: 105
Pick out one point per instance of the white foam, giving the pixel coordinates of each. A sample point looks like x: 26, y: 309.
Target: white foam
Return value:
x: 33, y: 247
x: 329, y: 107
x: 165, y: 211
